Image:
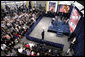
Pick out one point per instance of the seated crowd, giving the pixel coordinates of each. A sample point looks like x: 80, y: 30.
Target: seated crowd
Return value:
x: 36, y: 49
x: 14, y: 28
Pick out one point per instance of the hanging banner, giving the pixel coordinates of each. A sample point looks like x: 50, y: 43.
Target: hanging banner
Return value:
x: 64, y: 8
x: 58, y: 2
x: 46, y: 7
x: 27, y: 4
x: 52, y: 6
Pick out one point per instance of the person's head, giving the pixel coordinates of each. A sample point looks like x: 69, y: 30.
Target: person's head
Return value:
x: 49, y: 50
x: 32, y: 52
x: 38, y: 53
x: 53, y: 19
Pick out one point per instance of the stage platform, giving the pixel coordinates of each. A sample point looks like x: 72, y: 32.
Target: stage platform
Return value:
x: 49, y: 36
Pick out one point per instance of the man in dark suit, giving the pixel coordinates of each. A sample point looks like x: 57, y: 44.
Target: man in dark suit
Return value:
x: 43, y: 34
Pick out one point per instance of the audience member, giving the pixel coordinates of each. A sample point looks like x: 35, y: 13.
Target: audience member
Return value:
x: 28, y: 52
x: 3, y: 46
x: 27, y: 46
x: 38, y: 54
x: 20, y: 50
x: 32, y: 53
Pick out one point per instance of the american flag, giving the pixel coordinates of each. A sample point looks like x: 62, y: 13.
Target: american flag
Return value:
x: 74, y: 19
x: 52, y: 7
